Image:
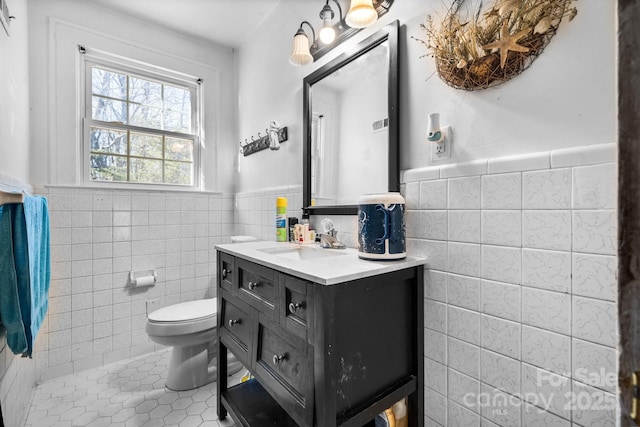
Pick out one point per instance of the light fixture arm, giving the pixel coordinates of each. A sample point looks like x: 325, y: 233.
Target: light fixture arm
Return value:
x: 339, y: 12
x: 327, y: 9
x: 313, y: 32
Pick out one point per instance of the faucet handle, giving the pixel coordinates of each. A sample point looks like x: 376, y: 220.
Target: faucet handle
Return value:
x: 327, y: 225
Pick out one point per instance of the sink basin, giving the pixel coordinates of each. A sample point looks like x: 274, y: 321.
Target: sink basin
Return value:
x: 301, y: 253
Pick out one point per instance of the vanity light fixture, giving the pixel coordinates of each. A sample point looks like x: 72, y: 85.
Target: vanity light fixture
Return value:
x: 301, y: 54
x: 362, y: 13
x: 328, y: 33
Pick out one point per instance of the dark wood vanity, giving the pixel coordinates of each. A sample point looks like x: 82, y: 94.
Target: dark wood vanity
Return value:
x: 322, y: 354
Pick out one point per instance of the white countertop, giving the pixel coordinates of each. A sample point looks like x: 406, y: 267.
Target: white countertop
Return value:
x: 343, y: 265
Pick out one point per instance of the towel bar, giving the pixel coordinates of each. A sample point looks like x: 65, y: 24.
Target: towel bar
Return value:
x: 11, y: 197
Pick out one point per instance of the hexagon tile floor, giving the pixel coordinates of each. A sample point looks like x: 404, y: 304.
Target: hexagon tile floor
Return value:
x: 129, y: 393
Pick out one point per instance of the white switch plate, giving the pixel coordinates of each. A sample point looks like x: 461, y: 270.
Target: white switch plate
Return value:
x: 442, y: 150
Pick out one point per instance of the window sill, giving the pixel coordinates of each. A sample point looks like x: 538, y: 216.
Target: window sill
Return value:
x: 133, y: 188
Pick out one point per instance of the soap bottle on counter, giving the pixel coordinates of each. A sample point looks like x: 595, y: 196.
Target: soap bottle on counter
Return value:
x: 292, y: 222
x: 306, y: 234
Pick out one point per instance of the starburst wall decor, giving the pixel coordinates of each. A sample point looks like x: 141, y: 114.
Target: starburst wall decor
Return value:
x: 476, y: 47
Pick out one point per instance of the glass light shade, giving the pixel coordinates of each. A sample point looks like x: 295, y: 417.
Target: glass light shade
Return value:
x: 361, y: 14
x: 300, y: 54
x: 327, y: 33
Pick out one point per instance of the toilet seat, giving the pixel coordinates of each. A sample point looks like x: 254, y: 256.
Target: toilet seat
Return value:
x: 186, y: 311
x: 184, y: 318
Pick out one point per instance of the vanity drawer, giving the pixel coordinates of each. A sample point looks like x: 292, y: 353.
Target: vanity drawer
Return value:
x: 236, y: 327
x: 284, y: 365
x: 296, y: 306
x: 256, y: 286
x: 226, y: 271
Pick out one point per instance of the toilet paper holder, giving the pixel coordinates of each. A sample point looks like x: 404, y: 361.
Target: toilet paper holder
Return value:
x: 143, y: 278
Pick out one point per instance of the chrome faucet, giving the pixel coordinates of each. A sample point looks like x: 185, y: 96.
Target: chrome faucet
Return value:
x: 328, y: 240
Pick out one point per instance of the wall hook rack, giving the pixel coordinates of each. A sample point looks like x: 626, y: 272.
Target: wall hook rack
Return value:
x: 263, y: 142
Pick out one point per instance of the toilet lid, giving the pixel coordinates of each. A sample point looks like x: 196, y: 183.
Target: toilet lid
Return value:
x: 185, y: 311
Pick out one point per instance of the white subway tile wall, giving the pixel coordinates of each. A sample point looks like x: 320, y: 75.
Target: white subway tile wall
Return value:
x: 520, y: 288
x: 255, y: 211
x: 97, y: 237
x: 520, y: 284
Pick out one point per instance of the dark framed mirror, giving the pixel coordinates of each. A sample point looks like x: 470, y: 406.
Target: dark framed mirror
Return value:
x: 351, y: 126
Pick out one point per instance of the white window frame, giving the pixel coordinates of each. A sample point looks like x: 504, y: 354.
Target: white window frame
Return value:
x: 149, y: 72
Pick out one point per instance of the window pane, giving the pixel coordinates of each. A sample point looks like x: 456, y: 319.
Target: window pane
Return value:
x: 149, y: 117
x: 177, y: 99
x: 177, y: 173
x: 143, y: 170
x: 145, y: 92
x: 177, y: 122
x: 108, y: 110
x: 108, y: 140
x: 108, y: 168
x: 178, y: 149
x: 141, y: 127
x: 108, y: 83
x: 145, y: 145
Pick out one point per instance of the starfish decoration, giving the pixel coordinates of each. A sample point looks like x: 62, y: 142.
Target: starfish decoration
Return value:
x: 508, y: 42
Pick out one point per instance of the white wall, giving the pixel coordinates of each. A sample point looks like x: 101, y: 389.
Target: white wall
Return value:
x: 483, y: 259
x: 563, y: 100
x: 56, y: 30
x: 98, y: 235
x: 270, y: 88
x: 14, y: 93
x: 17, y: 374
x: 359, y: 145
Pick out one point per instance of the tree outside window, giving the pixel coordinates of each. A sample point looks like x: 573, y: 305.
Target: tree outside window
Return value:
x: 141, y: 129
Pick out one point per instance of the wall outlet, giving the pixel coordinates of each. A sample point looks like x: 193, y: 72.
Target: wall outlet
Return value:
x: 442, y: 150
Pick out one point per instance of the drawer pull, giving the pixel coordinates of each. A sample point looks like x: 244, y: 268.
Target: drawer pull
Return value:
x: 233, y: 322
x: 224, y: 273
x: 277, y: 358
x: 295, y: 307
x: 253, y: 285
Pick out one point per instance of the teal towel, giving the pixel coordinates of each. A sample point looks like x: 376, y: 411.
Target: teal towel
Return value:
x: 10, y: 312
x: 25, y: 271
x: 21, y: 258
x: 36, y: 220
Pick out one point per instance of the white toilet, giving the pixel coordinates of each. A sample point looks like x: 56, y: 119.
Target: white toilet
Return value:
x: 190, y: 328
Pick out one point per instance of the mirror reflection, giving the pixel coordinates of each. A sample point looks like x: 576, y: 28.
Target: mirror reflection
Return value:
x: 351, y: 126
x: 349, y: 130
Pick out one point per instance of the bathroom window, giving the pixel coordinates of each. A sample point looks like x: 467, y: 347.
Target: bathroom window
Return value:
x: 139, y: 127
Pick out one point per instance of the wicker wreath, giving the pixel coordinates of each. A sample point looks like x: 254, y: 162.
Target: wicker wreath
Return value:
x: 480, y: 47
